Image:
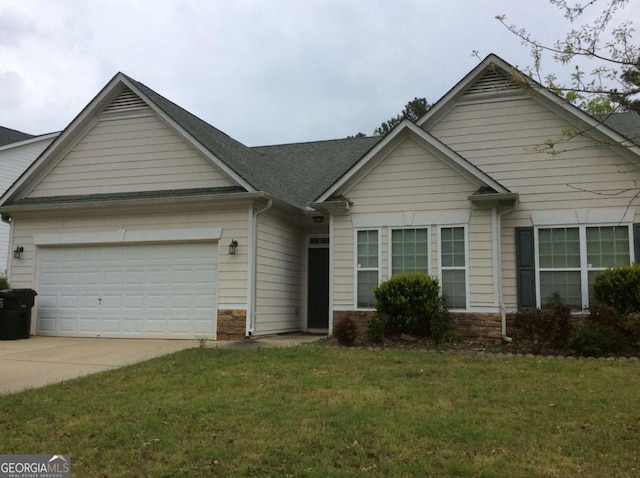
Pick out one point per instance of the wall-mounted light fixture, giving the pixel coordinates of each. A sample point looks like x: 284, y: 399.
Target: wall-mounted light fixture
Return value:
x: 232, y: 246
x: 18, y: 252
x: 318, y: 219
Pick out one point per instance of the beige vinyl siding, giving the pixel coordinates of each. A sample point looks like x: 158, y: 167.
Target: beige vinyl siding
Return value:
x: 410, y: 176
x: 343, y: 287
x: 128, y: 153
x: 233, y: 220
x: 278, y: 273
x: 503, y: 138
x: 480, y: 261
x: 14, y: 160
x: 411, y: 179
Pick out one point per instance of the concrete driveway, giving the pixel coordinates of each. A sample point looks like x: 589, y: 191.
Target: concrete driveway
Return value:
x: 39, y: 361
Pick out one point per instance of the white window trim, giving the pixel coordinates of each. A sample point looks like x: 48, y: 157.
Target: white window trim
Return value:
x: 584, y: 268
x: 390, y: 247
x: 466, y: 261
x: 355, y: 264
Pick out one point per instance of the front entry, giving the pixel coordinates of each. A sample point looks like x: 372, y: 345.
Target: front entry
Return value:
x: 318, y: 288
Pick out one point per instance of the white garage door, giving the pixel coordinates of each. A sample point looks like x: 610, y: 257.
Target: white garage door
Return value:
x: 150, y: 290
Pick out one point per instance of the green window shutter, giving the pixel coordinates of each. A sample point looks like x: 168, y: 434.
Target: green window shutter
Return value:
x: 636, y: 243
x: 525, y: 267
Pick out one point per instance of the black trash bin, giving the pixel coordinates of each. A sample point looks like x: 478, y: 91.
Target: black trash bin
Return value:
x: 15, y: 313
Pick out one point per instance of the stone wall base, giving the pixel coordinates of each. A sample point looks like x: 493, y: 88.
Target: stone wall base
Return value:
x: 469, y: 326
x: 232, y: 324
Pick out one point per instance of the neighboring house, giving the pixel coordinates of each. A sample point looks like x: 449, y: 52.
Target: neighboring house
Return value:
x: 141, y: 220
x: 17, y: 151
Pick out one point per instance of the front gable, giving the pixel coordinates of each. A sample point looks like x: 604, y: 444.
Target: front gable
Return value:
x: 128, y: 148
x: 500, y: 121
x: 422, y: 151
x: 123, y: 142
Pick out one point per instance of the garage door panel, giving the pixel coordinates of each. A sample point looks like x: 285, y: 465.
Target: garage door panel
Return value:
x: 157, y: 290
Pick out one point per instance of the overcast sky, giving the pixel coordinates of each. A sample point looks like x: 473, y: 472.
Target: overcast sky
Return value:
x: 264, y: 72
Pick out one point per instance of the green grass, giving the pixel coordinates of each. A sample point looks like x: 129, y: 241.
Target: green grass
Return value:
x: 322, y: 411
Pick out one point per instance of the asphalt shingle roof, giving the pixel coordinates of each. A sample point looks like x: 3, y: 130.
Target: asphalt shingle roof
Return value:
x: 9, y: 136
x: 310, y: 168
x: 296, y: 173
x: 626, y: 123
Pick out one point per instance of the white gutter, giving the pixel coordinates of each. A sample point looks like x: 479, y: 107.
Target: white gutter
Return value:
x: 503, y: 312
x: 254, y: 264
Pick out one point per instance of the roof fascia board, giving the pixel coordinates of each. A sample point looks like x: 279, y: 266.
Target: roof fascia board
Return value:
x: 229, y: 197
x: 457, y: 162
x: 65, y: 140
x: 381, y: 149
x: 404, y: 130
x: 447, y: 101
x: 29, y: 141
x: 189, y: 138
x: 543, y: 95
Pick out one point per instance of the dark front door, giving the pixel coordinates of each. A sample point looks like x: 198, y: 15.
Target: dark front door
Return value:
x: 318, y: 289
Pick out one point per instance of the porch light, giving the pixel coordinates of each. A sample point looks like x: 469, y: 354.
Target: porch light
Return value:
x: 232, y: 246
x: 18, y: 252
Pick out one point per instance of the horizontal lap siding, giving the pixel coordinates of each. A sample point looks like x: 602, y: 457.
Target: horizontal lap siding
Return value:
x: 130, y: 154
x: 232, y: 269
x: 410, y: 179
x: 503, y: 139
x: 343, y: 288
x: 13, y: 162
x: 278, y: 273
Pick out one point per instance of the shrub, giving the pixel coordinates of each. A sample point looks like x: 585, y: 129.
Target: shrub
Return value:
x: 375, y: 330
x: 631, y: 325
x: 407, y: 303
x: 590, y: 341
x: 544, y: 328
x: 345, y: 330
x: 619, y: 288
x: 442, y: 327
x: 4, y: 283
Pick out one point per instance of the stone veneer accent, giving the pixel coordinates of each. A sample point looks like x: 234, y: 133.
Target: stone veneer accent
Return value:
x: 231, y: 324
x: 470, y: 326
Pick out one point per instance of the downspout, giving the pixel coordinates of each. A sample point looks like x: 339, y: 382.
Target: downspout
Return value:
x: 254, y: 260
x: 503, y: 312
x: 8, y: 220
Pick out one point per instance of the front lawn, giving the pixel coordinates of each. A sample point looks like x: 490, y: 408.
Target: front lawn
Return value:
x: 323, y: 411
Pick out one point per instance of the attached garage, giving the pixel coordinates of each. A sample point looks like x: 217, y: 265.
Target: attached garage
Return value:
x: 157, y: 290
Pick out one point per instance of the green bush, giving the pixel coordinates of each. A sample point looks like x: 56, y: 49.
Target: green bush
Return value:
x: 631, y: 325
x: 345, y: 331
x: 590, y: 341
x: 4, y: 283
x: 375, y: 330
x: 545, y: 328
x: 409, y: 303
x: 619, y: 287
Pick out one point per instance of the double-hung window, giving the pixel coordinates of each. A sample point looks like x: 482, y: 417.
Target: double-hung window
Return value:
x: 367, y: 267
x: 453, y: 266
x: 409, y: 250
x: 570, y: 257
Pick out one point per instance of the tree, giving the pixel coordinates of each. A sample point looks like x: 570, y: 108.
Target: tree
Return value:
x: 413, y: 111
x: 614, y: 83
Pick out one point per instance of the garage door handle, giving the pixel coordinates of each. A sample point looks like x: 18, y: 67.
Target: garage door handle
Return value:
x: 100, y: 300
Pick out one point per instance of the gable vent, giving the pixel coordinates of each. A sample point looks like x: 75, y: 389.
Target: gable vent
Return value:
x: 127, y: 100
x: 492, y: 82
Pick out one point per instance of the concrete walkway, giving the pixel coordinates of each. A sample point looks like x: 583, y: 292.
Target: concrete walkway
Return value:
x: 40, y: 361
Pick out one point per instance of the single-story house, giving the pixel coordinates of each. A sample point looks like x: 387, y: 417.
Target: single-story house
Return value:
x: 17, y: 151
x: 142, y: 220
